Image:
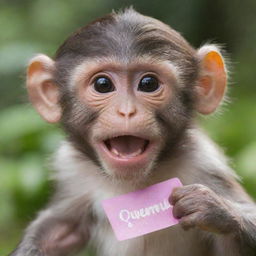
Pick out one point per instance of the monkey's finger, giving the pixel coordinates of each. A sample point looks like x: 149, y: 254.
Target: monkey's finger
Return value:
x: 184, y: 206
x: 190, y: 221
x: 180, y: 192
x: 174, y: 197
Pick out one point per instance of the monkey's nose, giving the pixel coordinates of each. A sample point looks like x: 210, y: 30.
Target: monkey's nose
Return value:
x: 127, y: 113
x: 127, y: 110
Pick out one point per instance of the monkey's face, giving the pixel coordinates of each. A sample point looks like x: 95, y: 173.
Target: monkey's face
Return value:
x: 124, y: 89
x: 127, y: 98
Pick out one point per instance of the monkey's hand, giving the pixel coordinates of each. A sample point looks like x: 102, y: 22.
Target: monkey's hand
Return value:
x: 198, y: 206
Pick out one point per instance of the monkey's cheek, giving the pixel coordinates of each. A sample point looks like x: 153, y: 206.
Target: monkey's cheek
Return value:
x: 126, y: 167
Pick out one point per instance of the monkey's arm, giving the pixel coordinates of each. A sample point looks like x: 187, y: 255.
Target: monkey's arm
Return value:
x: 233, y: 220
x: 58, y: 231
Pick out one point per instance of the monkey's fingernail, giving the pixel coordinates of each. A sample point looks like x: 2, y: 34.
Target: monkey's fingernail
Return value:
x: 175, y: 215
x: 170, y: 200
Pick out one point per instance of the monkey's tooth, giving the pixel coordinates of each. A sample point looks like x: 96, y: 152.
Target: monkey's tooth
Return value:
x: 136, y: 153
x: 115, y: 152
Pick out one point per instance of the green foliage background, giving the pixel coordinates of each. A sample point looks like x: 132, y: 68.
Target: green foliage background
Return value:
x: 26, y: 142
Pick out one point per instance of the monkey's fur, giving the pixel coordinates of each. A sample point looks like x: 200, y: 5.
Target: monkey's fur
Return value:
x: 217, y: 216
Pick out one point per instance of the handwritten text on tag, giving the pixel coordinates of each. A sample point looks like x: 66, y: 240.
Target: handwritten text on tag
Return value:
x: 143, y: 211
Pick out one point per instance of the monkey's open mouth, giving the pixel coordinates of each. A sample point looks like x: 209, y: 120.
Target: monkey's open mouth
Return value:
x: 126, y: 146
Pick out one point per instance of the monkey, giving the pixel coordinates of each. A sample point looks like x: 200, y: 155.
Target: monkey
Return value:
x: 127, y: 89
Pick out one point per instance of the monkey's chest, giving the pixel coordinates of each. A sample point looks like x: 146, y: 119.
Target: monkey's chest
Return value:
x: 172, y: 241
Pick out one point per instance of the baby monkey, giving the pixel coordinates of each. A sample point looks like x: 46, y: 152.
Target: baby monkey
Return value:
x: 126, y: 89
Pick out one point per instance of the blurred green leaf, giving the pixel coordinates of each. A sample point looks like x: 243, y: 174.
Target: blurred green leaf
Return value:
x: 246, y: 161
x: 18, y: 121
x: 14, y: 57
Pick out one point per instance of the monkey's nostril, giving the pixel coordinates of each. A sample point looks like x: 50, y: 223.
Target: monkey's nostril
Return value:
x: 127, y: 114
x: 126, y: 109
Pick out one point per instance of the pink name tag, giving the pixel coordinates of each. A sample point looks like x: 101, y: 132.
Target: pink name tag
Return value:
x: 143, y: 211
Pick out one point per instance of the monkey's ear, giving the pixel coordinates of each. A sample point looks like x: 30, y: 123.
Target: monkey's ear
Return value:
x: 43, y: 93
x: 212, y: 80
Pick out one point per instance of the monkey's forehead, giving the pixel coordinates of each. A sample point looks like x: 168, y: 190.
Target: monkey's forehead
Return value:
x: 126, y: 37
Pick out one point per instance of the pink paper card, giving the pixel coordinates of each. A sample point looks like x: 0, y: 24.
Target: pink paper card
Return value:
x: 143, y: 211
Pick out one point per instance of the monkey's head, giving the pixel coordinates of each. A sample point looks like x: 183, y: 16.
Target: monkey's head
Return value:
x: 125, y: 88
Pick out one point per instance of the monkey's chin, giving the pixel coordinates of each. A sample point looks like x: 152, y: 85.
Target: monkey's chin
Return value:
x: 132, y: 166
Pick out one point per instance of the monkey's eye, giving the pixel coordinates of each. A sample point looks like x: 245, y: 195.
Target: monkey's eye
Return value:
x: 148, y: 84
x: 103, y: 85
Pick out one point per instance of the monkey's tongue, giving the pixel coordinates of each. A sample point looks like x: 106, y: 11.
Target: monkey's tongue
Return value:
x: 126, y: 146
